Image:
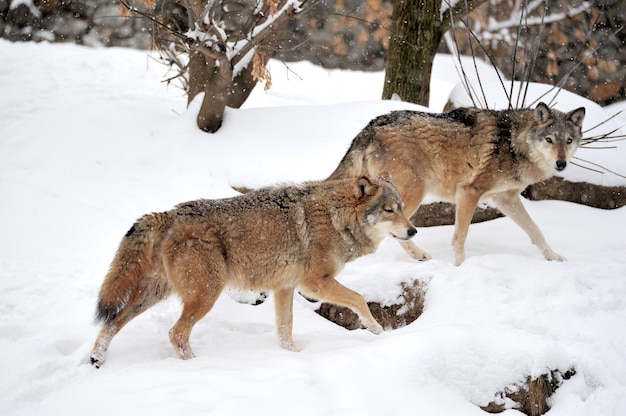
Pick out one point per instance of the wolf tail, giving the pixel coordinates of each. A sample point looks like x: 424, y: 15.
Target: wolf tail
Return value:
x: 133, y: 283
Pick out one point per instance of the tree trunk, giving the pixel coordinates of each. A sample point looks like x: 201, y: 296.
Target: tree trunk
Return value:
x: 215, y: 82
x: 211, y: 71
x: 219, y: 91
x: 416, y: 32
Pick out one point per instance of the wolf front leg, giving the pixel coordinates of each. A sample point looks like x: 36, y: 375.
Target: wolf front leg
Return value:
x: 467, y: 199
x: 412, y: 189
x: 283, y: 304
x: 510, y: 204
x: 328, y: 289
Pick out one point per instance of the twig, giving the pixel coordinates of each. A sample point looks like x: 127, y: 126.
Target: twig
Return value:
x: 480, y: 84
x: 597, y: 165
x: 151, y: 18
x: 529, y: 69
x: 491, y: 61
x: 603, y: 122
x: 457, y: 10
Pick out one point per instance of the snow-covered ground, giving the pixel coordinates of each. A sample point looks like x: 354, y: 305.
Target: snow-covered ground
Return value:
x: 90, y: 140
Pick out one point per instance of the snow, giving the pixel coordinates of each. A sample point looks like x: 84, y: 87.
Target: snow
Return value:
x: 28, y: 3
x: 90, y: 140
x: 447, y: 4
x: 522, y: 11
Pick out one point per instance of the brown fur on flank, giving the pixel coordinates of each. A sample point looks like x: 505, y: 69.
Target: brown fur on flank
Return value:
x: 466, y: 155
x: 274, y: 239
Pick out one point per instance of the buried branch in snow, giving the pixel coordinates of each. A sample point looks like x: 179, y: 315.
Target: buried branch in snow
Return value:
x: 408, y: 308
x: 597, y: 196
x: 443, y: 213
x: 532, y: 397
x: 554, y: 188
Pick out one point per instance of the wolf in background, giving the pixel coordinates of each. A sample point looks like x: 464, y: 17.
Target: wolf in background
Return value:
x: 465, y: 155
x: 276, y: 238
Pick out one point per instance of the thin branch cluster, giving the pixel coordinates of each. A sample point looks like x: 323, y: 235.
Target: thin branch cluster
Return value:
x: 229, y: 33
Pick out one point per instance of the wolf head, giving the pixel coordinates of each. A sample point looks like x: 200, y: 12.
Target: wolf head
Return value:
x: 382, y: 209
x: 557, y: 135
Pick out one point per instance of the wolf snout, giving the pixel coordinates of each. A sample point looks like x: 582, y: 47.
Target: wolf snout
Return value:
x: 560, y: 165
x: 410, y: 232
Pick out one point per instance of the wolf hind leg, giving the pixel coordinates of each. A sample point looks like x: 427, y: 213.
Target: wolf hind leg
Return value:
x: 330, y: 290
x: 102, y: 343
x: 195, y: 307
x: 510, y: 204
x: 106, y: 334
x: 154, y: 290
x: 199, y: 285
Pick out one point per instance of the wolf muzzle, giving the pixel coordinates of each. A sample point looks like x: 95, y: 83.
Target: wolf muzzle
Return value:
x: 410, y: 232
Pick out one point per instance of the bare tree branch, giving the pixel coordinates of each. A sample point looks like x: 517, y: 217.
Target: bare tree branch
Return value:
x: 457, y: 11
x: 285, y: 13
x: 223, y: 61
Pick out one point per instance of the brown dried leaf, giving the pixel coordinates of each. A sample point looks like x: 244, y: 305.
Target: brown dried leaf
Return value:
x: 124, y: 11
x: 272, y: 6
x: 127, y: 7
x: 259, y: 69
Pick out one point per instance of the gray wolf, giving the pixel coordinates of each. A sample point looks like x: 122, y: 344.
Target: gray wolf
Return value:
x: 274, y: 239
x: 465, y: 155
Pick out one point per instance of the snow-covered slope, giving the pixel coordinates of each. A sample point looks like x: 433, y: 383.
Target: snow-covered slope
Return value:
x: 90, y: 140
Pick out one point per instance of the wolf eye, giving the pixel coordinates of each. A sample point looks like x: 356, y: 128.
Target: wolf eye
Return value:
x: 388, y: 210
x: 569, y: 141
x: 549, y: 140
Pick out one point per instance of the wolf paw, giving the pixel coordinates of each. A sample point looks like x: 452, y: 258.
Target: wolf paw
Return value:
x: 185, y: 353
x: 459, y: 258
x: 248, y: 297
x: 414, y: 251
x: 375, y: 329
x: 421, y: 256
x: 552, y: 256
x: 289, y: 346
x: 96, y: 362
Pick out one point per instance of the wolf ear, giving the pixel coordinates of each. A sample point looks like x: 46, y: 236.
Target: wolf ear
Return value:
x: 543, y: 113
x: 577, y: 116
x: 365, y: 187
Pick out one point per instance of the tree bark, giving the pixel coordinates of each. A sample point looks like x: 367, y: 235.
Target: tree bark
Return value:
x: 415, y: 37
x: 241, y: 87
x: 416, y: 30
